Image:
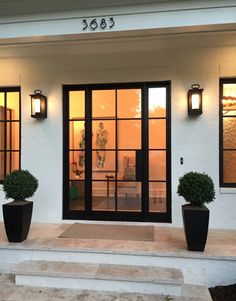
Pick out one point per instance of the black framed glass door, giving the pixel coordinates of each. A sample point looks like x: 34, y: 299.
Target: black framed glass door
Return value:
x: 117, y: 152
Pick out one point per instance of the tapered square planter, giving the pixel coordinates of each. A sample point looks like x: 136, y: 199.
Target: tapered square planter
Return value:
x: 17, y: 219
x: 196, y: 222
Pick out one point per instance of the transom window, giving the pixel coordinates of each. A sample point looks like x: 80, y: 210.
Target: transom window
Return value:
x: 227, y: 132
x: 9, y: 130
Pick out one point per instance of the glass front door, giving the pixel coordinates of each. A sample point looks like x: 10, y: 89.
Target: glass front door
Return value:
x: 116, y: 152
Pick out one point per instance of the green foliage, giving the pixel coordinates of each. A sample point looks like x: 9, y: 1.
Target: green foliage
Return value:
x: 196, y: 188
x: 19, y: 185
x: 168, y: 298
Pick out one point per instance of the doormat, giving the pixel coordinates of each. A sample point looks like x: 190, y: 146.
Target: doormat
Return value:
x: 115, y: 232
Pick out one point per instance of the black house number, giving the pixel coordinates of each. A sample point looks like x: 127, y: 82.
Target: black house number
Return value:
x: 98, y: 23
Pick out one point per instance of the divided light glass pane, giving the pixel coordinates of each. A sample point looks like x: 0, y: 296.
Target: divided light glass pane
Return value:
x: 77, y: 104
x: 77, y: 165
x: 129, y: 134
x: 13, y: 105
x: 103, y: 164
x: 157, y: 197
x: 229, y: 175
x: 103, y: 195
x: 229, y: 99
x: 2, y: 105
x: 13, y: 133
x: 2, y: 163
x: 104, y: 134
x: 103, y: 103
x: 157, y: 165
x: 77, y: 195
x: 229, y: 130
x: 2, y: 134
x: 13, y: 161
x: 129, y: 196
x: 129, y: 103
x: 157, y: 133
x: 126, y: 165
x: 157, y: 102
x: 77, y: 135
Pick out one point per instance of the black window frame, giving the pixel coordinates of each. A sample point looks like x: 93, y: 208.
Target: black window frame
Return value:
x: 221, y: 132
x: 5, y: 151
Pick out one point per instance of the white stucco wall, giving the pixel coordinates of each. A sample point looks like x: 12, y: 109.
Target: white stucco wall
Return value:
x: 185, y: 60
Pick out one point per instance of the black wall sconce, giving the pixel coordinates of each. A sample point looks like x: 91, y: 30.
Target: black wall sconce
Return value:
x: 195, y: 100
x: 38, y: 105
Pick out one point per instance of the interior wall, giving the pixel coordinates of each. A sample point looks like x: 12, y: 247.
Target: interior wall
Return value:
x: 194, y: 139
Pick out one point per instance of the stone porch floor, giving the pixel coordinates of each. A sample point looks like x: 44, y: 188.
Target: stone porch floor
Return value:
x: 168, y: 241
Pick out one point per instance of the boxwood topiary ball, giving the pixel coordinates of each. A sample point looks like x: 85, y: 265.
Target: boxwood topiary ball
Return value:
x: 196, y: 188
x: 19, y: 185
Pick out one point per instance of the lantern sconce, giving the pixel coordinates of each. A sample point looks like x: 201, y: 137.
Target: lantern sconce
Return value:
x: 38, y: 105
x: 195, y: 100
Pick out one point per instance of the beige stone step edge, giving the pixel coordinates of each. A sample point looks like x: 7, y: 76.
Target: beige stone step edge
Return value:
x: 100, y: 271
x: 8, y: 288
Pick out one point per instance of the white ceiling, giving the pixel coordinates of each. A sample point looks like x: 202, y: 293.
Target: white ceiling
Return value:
x: 21, y: 7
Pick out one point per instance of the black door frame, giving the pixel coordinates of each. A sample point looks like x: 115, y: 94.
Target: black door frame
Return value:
x: 88, y: 214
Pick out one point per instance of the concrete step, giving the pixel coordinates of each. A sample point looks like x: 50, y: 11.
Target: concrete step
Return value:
x: 12, y: 292
x: 100, y: 277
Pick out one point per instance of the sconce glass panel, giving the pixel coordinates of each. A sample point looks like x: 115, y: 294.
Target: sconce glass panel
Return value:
x: 195, y: 100
x: 38, y: 105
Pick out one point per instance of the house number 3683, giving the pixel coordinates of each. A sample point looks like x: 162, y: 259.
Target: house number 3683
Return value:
x: 96, y: 23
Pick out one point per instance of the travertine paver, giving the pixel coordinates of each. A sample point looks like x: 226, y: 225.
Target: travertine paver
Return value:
x: 100, y: 271
x: 140, y: 273
x: 220, y: 243
x: 7, y: 278
x: 57, y: 268
x: 53, y: 294
x: 11, y: 292
x: 196, y: 291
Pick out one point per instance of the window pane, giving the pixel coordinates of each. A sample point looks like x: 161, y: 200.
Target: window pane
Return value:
x: 103, y: 164
x: 229, y: 132
x: 157, y: 133
x: 229, y: 167
x: 2, y: 105
x: 104, y: 134
x: 1, y: 166
x: 13, y: 162
x: 129, y: 103
x: 129, y: 196
x: 126, y: 165
x: 77, y: 135
x: 157, y: 197
x: 13, y: 133
x: 157, y: 102
x: 103, y: 103
x: 76, y: 165
x: 157, y: 165
x: 13, y: 100
x: 76, y: 195
x: 129, y: 134
x: 76, y: 104
x: 2, y: 134
x: 103, y: 195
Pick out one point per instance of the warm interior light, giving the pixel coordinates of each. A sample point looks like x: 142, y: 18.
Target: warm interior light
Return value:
x: 36, y: 105
x: 157, y: 99
x: 195, y: 101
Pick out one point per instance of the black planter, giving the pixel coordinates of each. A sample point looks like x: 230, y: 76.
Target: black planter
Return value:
x: 17, y: 219
x: 196, y: 221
